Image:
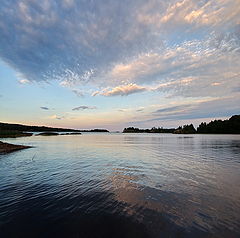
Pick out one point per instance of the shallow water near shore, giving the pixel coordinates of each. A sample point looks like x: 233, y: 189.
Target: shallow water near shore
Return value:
x: 121, y: 185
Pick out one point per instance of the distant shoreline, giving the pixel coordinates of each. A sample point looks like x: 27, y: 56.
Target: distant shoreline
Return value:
x: 26, y: 128
x: 229, y: 126
x: 8, y: 130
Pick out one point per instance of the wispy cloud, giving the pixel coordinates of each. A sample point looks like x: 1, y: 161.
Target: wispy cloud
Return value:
x: 24, y: 81
x: 140, y: 110
x: 78, y: 92
x: 193, y: 68
x: 190, y: 13
x: 174, y: 50
x: 122, y: 90
x: 84, y: 108
x: 51, y: 44
x: 65, y: 41
x: 44, y: 108
x: 208, y: 108
x: 56, y: 117
x: 174, y: 109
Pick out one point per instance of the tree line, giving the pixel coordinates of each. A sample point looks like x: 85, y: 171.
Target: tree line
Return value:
x: 229, y: 126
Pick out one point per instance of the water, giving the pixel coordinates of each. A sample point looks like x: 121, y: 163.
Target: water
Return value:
x: 121, y: 185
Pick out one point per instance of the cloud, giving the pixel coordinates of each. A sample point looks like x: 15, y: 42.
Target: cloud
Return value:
x: 208, y: 108
x: 173, y: 109
x: 24, y: 81
x: 187, y: 13
x: 77, y: 41
x: 122, y: 90
x: 84, y: 108
x: 56, y: 117
x: 140, y: 110
x: 170, y: 49
x: 191, y: 69
x: 44, y: 108
x: 122, y: 110
x: 68, y: 3
x: 142, y: 67
x: 78, y: 92
x: 69, y: 41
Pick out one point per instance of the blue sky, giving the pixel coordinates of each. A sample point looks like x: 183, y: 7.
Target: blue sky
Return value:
x: 112, y: 64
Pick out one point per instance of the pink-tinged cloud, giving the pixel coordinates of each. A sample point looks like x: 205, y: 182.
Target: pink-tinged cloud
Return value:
x: 24, y: 81
x: 122, y: 90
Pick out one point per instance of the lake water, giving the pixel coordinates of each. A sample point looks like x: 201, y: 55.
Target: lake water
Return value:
x: 121, y: 185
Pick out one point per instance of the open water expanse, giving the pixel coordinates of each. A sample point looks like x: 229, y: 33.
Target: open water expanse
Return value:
x: 121, y: 185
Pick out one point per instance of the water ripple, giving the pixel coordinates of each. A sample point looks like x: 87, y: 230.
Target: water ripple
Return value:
x: 116, y: 185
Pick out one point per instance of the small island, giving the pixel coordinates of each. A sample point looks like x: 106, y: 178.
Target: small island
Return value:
x: 48, y: 134
x: 57, y: 134
x: 95, y: 130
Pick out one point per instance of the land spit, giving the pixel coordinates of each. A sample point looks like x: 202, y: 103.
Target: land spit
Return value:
x: 7, y: 148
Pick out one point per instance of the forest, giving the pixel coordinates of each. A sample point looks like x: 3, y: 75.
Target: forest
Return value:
x: 229, y: 126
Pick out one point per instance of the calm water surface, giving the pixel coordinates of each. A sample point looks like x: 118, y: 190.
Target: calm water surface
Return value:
x: 121, y: 185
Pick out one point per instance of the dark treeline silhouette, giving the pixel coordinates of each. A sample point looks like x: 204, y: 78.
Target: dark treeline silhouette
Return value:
x: 95, y: 130
x: 186, y: 129
x: 20, y: 128
x: 230, y: 126
x: 153, y: 130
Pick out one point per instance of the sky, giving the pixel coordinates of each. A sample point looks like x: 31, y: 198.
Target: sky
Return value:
x: 113, y: 64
